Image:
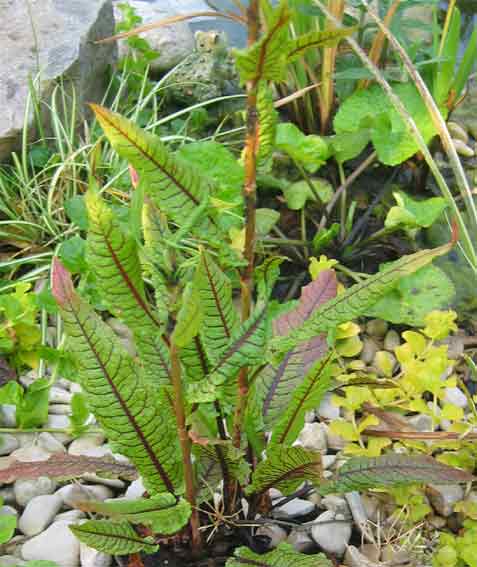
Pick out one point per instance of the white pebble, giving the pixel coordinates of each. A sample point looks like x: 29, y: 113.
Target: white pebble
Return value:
x: 8, y: 444
x: 90, y: 557
x: 48, y: 442
x: 25, y: 490
x: 85, y: 443
x: 313, y: 437
x: 332, y: 536
x: 135, y: 490
x: 274, y: 533
x: 72, y: 493
x: 8, y: 510
x: 59, y: 396
x: 327, y: 409
x: 300, y: 541
x: 294, y: 509
x: 57, y: 543
x: 70, y: 516
x: 8, y: 415
x: 456, y: 397
x: 391, y: 340
x: 59, y: 409
x: 39, y: 513
x: 463, y: 149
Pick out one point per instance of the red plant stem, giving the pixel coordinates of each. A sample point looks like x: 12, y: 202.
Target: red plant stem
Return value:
x: 185, y: 447
x: 250, y: 199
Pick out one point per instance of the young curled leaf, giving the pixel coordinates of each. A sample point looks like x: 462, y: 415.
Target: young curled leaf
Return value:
x: 266, y: 59
x: 316, y: 40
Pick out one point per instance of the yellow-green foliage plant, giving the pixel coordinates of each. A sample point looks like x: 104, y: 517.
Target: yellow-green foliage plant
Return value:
x: 211, y: 397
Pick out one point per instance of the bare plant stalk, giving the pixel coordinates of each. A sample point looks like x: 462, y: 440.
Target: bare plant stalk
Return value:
x: 250, y: 199
x: 185, y: 447
x: 327, y: 89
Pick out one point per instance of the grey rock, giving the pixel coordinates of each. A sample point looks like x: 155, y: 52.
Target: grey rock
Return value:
x: 72, y: 493
x: 10, y: 561
x: 57, y: 41
x: 59, y: 396
x: 59, y: 409
x: 8, y: 444
x: 7, y: 495
x: 30, y: 452
x: 454, y: 395
x: 392, y: 340
x: 56, y: 543
x: 457, y: 132
x: 336, y: 504
x: 328, y: 461
x: 443, y: 497
x: 331, y: 532
x: 377, y: 328
x: 8, y: 413
x: 356, y: 558
x: 371, y: 507
x: 300, y: 541
x: 75, y: 388
x: 8, y: 510
x: 369, y: 350
x: 70, y: 516
x: 327, y: 409
x: 25, y: 490
x: 135, y: 489
x: 359, y: 515
x: 274, y: 533
x: 39, y: 513
x: 463, y: 149
x: 116, y: 483
x: 173, y: 42
x: 294, y: 509
x: 421, y: 422
x: 85, y: 443
x: 92, y: 558
x: 50, y: 443
x: 313, y: 437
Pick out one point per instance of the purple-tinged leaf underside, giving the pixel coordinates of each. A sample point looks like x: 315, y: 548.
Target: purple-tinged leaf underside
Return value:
x: 392, y: 470
x: 355, y: 300
x: 63, y: 466
x: 274, y: 386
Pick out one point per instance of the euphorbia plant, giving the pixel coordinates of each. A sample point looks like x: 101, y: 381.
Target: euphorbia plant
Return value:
x: 193, y: 410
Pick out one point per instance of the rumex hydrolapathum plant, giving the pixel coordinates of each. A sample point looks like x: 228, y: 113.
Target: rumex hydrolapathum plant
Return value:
x: 194, y: 407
